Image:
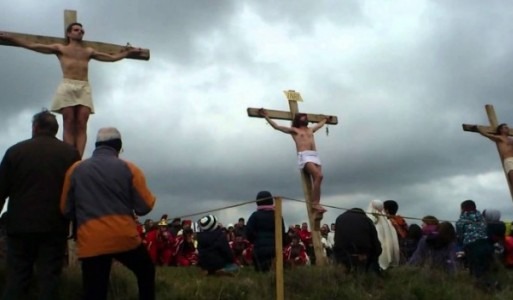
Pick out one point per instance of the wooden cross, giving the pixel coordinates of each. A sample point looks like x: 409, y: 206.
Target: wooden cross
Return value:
x: 492, y: 128
x: 70, y: 16
x: 314, y: 219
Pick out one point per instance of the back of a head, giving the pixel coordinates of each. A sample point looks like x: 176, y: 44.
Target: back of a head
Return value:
x: 208, y: 223
x: 446, y: 232
x: 109, y: 136
x: 45, y: 122
x: 264, y: 198
x: 430, y: 220
x: 468, y: 205
x: 391, y: 207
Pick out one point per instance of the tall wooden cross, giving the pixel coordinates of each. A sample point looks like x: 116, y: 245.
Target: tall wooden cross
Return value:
x: 70, y: 16
x: 314, y: 219
x: 492, y: 118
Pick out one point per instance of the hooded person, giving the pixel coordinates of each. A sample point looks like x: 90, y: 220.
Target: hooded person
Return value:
x: 496, y: 231
x: 215, y: 256
x: 260, y: 232
x: 387, y: 235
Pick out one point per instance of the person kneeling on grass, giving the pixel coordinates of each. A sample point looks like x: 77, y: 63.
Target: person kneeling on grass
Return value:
x: 215, y: 257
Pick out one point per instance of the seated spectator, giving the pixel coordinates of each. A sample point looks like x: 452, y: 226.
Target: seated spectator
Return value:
x: 429, y: 225
x: 186, y: 254
x: 412, y: 240
x: 295, y: 253
x: 357, y: 246
x: 214, y: 254
x: 437, y: 249
x: 239, y: 246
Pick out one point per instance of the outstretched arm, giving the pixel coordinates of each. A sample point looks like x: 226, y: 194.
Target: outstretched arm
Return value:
x: 41, y: 48
x: 320, y: 124
x: 492, y: 137
x: 106, y: 57
x: 274, y: 125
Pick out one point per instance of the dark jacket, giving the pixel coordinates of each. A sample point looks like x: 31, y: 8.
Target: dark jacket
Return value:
x: 214, y: 252
x: 356, y: 234
x: 32, y: 175
x: 260, y: 231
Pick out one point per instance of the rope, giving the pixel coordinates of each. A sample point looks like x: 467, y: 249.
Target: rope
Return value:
x: 293, y: 200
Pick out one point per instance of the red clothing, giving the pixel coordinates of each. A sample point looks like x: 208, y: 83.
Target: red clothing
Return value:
x: 400, y: 226
x: 306, y: 237
x: 295, y: 255
x: 508, y: 251
x: 185, y: 253
x: 239, y: 249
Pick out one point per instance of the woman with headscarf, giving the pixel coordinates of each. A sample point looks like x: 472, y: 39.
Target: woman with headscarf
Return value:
x: 386, y: 234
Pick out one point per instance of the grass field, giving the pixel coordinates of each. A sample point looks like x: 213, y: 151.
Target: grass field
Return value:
x: 304, y: 283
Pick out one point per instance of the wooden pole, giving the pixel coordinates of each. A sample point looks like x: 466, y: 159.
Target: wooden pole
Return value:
x: 70, y: 16
x: 278, y: 235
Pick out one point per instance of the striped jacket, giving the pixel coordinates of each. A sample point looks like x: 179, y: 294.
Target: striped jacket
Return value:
x: 100, y: 195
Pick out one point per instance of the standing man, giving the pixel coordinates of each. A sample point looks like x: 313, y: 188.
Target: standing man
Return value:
x: 505, y: 146
x: 101, y: 194
x: 308, y: 158
x: 73, y: 96
x: 31, y: 176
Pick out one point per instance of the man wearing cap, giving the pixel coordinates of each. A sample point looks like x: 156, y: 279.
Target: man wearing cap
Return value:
x: 101, y: 194
x: 31, y: 176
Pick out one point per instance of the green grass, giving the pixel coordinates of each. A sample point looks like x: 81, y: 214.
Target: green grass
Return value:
x: 307, y: 283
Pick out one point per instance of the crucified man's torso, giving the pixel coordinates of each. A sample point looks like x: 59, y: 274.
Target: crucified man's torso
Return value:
x: 505, y: 147
x: 304, y: 139
x: 74, y: 60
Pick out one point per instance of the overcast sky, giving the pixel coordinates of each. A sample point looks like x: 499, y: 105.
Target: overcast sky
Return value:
x: 401, y: 76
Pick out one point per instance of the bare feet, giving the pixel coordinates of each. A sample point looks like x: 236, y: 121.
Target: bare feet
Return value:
x: 318, y: 208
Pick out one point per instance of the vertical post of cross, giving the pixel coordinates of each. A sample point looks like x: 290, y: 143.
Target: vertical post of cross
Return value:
x: 70, y: 16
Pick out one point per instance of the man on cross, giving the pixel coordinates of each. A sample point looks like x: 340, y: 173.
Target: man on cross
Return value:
x: 504, y: 145
x: 308, y: 159
x: 73, y: 96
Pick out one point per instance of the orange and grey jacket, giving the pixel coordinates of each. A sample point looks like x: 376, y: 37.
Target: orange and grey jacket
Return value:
x: 100, y: 195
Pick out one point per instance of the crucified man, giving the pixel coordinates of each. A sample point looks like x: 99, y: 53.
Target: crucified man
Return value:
x: 73, y: 96
x: 308, y: 158
x: 504, y: 145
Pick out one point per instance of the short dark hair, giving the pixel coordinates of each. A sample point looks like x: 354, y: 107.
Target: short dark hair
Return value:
x: 468, y: 205
x: 45, y: 122
x: 391, y: 207
x: 68, y: 29
x: 498, y: 131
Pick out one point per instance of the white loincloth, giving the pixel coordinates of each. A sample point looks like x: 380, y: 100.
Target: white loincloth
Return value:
x: 386, y: 234
x: 306, y: 157
x: 72, y: 92
x: 508, y: 164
